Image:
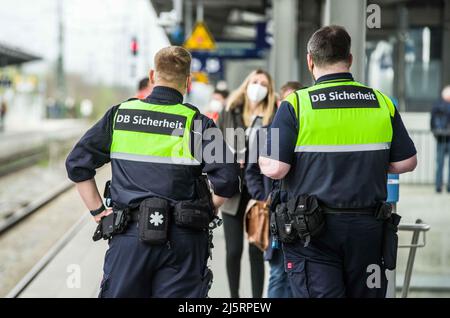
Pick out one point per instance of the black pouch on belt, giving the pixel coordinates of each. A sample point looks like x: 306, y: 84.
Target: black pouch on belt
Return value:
x: 114, y: 223
x: 195, y: 215
x: 285, y: 229
x: 307, y: 215
x: 390, y: 241
x: 154, y: 218
x: 107, y: 223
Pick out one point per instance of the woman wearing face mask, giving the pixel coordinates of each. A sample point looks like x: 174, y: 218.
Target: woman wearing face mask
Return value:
x: 250, y: 107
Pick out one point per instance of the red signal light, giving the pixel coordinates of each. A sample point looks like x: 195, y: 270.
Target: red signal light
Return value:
x: 134, y: 46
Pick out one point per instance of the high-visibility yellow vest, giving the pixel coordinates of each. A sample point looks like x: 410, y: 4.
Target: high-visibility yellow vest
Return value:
x: 153, y: 133
x: 342, y: 117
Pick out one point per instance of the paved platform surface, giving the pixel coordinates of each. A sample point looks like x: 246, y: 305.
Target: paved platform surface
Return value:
x: 432, y: 265
x: 75, y: 272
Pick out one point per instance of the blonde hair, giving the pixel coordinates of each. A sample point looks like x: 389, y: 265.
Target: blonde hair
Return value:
x: 173, y: 64
x: 239, y: 98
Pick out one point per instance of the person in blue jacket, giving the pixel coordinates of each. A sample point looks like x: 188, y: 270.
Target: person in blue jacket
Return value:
x: 440, y: 127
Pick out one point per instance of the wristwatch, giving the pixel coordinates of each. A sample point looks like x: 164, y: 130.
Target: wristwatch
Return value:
x: 98, y: 211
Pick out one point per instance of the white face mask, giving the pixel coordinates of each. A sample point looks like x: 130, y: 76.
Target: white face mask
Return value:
x: 256, y: 92
x: 215, y: 105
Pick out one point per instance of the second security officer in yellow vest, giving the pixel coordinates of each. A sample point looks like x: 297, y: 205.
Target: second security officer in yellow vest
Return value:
x: 155, y: 148
x: 337, y: 141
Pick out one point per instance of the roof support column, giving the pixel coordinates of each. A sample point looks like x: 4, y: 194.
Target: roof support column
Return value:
x: 350, y: 14
x: 284, y: 51
x: 446, y: 45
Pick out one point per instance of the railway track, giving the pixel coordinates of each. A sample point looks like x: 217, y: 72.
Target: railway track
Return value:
x: 22, y: 213
x: 32, y: 236
x: 21, y: 286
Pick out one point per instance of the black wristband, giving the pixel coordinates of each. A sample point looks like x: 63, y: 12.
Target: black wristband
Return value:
x: 98, y: 211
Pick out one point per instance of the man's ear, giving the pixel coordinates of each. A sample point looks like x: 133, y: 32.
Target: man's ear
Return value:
x: 350, y: 60
x: 151, y: 76
x: 188, y: 82
x: 310, y: 62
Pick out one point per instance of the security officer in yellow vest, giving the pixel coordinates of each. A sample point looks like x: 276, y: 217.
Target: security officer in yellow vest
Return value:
x: 337, y: 141
x: 151, y: 145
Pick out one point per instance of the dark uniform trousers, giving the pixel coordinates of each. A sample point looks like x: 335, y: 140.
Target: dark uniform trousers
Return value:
x: 344, y: 261
x: 138, y: 270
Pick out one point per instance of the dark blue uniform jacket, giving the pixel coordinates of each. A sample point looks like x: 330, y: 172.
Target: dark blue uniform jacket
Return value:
x: 134, y: 181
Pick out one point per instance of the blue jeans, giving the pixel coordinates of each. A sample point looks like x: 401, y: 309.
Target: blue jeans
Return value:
x: 442, y: 149
x: 278, y: 281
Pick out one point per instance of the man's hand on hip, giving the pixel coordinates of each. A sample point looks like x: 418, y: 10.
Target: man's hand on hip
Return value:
x: 98, y: 217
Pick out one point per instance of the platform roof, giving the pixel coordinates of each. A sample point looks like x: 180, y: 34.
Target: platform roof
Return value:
x: 10, y: 55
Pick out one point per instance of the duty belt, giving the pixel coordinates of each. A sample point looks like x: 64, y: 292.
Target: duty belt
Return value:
x: 134, y: 214
x: 338, y: 211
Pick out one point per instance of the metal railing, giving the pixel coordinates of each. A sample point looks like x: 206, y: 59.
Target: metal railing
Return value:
x: 416, y: 229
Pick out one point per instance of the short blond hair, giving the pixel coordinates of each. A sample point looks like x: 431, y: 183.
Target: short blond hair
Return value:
x: 173, y: 64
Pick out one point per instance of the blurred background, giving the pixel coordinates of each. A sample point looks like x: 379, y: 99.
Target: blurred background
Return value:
x: 63, y: 63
